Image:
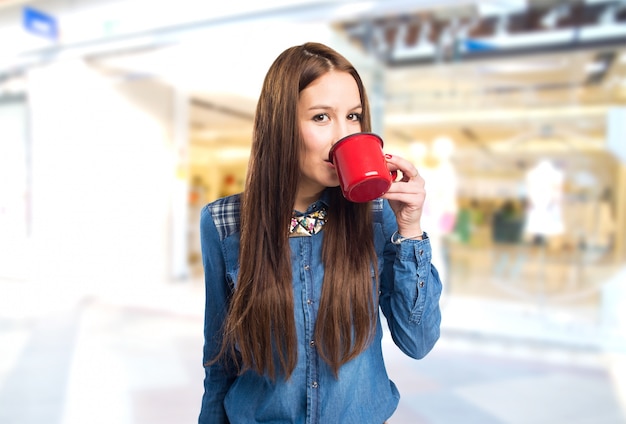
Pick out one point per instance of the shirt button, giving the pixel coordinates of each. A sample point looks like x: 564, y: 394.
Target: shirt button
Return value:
x: 421, y: 284
x: 307, y: 267
x: 421, y: 252
x: 312, y: 343
x: 309, y: 301
x: 315, y: 385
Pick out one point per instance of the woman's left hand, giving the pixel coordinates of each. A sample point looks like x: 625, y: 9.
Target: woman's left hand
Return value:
x: 406, y: 196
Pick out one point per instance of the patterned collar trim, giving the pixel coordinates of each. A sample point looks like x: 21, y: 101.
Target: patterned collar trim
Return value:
x: 307, y: 224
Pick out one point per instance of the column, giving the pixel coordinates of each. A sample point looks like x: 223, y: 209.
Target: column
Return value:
x: 103, y: 171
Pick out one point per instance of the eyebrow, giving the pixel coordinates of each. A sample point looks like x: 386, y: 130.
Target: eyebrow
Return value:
x: 324, y: 107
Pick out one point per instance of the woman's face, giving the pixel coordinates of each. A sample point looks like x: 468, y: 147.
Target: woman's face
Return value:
x: 328, y: 110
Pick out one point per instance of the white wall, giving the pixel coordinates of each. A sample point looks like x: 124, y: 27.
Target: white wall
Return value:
x: 104, y: 170
x: 13, y: 189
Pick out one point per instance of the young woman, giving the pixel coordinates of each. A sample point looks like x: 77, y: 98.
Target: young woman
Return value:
x: 295, y: 274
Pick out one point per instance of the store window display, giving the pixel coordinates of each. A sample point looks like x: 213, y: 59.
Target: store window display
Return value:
x: 507, y: 227
x: 600, y: 222
x: 544, y: 189
x: 441, y: 205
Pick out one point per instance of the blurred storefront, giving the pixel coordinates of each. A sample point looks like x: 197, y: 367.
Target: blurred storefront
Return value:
x: 129, y: 128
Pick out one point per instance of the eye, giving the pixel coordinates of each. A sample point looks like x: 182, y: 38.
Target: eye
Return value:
x: 355, y: 117
x: 322, y: 117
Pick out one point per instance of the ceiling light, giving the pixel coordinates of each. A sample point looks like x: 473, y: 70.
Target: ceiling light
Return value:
x: 552, y: 18
x: 522, y: 67
x: 595, y: 67
x: 233, y: 154
x: 350, y: 10
x: 487, y: 9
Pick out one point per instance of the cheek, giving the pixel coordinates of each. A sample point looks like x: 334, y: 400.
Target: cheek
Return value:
x: 308, y: 134
x: 314, y: 141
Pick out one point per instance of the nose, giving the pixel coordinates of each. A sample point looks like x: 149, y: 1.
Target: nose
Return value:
x: 342, y: 129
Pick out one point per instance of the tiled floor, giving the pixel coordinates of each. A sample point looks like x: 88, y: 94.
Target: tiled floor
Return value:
x: 471, y: 386
x: 136, y: 359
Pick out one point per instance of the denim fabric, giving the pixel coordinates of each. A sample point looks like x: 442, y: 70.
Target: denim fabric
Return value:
x: 409, y: 298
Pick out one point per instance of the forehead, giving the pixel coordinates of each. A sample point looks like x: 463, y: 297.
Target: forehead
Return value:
x: 331, y: 87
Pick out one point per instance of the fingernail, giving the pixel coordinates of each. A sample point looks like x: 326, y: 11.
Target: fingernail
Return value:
x: 388, y: 156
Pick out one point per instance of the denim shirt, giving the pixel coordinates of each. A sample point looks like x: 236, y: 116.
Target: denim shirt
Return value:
x: 409, y: 298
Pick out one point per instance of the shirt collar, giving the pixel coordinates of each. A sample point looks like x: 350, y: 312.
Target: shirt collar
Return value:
x: 320, y: 203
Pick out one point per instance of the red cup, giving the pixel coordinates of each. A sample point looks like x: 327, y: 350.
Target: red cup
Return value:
x: 361, y: 167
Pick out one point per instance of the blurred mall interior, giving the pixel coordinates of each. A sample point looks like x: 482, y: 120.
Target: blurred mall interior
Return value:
x: 119, y: 120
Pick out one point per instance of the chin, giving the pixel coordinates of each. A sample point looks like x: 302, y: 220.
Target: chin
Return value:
x: 332, y: 182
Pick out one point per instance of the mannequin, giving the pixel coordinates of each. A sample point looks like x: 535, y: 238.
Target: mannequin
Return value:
x: 544, y: 185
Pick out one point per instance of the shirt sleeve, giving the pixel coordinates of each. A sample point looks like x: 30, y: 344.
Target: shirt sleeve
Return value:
x: 410, y: 291
x: 217, y: 379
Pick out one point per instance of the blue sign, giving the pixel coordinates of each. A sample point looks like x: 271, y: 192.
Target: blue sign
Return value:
x: 40, y: 23
x: 477, y: 46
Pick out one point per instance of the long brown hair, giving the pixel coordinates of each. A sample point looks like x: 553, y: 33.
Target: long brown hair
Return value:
x: 260, y: 330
